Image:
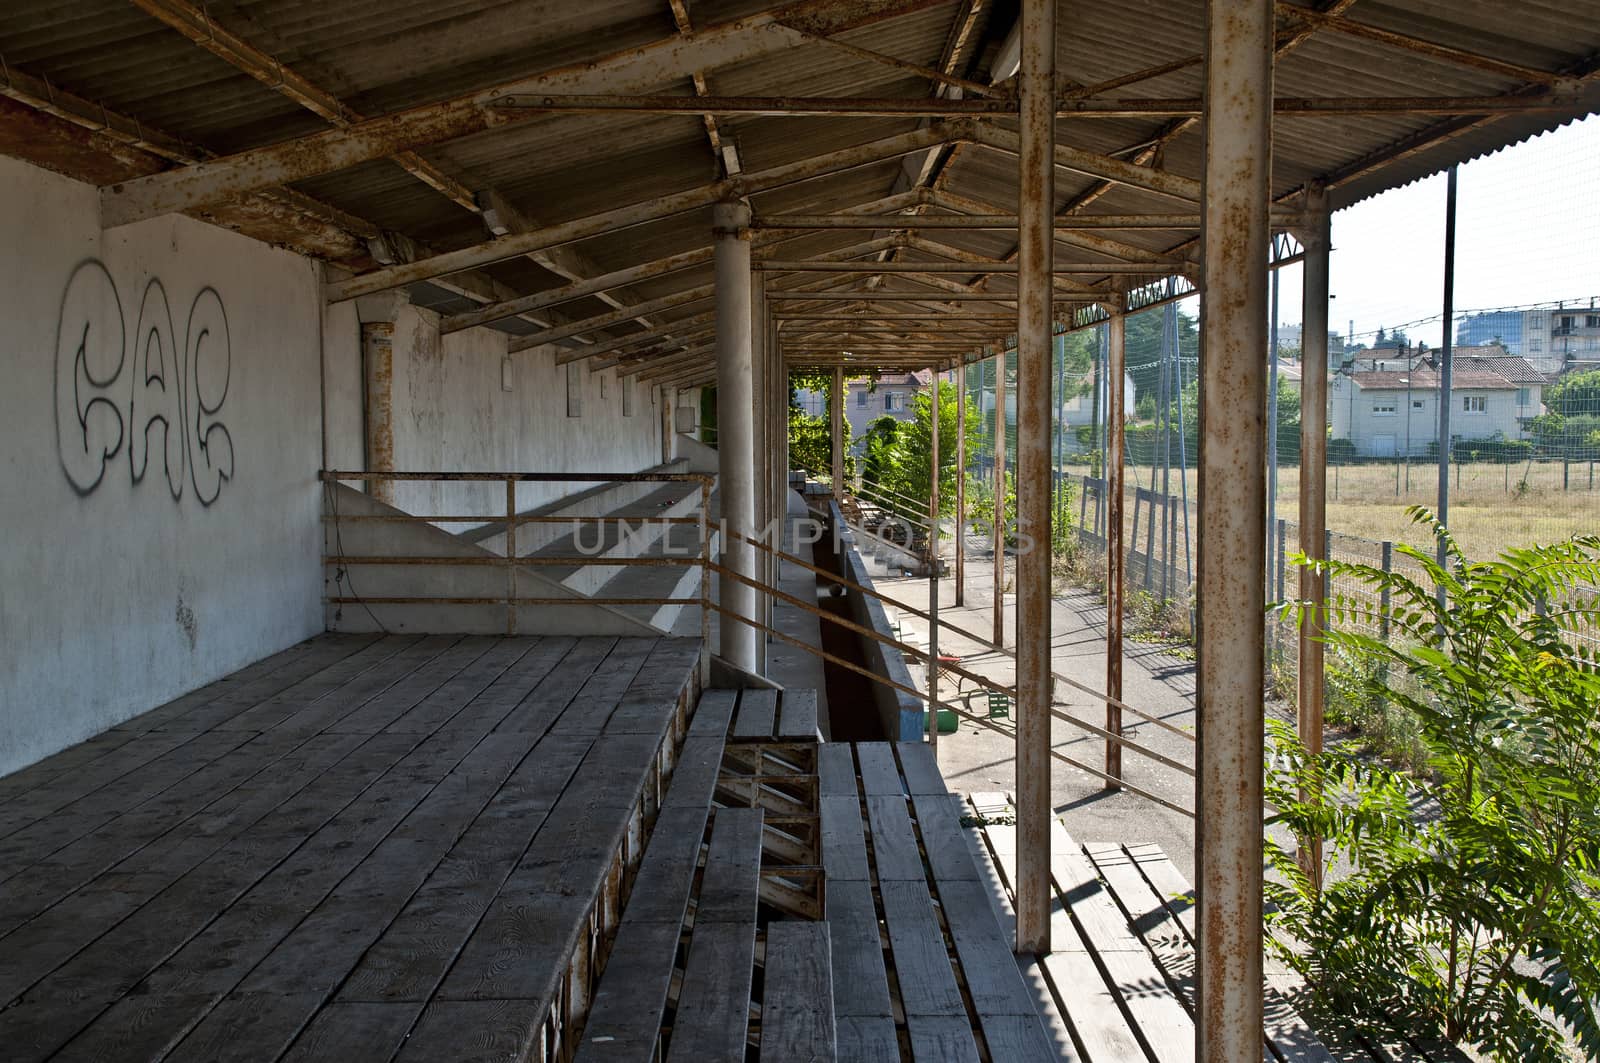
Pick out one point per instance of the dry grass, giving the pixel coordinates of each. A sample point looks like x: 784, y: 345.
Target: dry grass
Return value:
x: 1490, y: 510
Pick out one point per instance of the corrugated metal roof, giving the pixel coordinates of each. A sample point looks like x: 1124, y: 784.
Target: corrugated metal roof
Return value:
x: 378, y: 56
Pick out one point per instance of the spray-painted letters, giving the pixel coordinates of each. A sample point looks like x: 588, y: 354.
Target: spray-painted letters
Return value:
x: 166, y: 408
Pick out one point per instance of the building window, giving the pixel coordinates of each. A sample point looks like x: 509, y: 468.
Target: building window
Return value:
x: 1524, y: 396
x: 1474, y: 403
x: 1416, y: 404
x: 1385, y: 408
x: 861, y: 400
x: 893, y: 401
x: 1535, y: 344
x: 1592, y: 321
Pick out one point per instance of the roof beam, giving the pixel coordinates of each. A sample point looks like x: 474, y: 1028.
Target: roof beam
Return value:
x: 630, y: 70
x: 726, y: 154
x: 668, y: 332
x: 641, y: 212
x: 1105, y: 167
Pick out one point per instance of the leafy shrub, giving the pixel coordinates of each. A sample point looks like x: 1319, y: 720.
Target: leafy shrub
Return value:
x: 1480, y: 923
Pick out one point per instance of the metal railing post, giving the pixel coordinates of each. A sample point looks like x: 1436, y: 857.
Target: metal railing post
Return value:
x: 511, y: 555
x: 933, y: 563
x: 1116, y: 506
x: 705, y: 580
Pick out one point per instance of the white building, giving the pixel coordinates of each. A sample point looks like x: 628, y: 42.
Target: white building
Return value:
x: 1392, y: 412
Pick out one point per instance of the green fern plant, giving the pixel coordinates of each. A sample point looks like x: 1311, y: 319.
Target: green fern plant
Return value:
x: 1471, y: 906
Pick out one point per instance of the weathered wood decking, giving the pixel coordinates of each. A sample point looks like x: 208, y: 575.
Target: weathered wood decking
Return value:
x: 360, y: 848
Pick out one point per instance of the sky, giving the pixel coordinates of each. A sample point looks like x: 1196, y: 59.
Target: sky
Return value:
x: 1527, y: 231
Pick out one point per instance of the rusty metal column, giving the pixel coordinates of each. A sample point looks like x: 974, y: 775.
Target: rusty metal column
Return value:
x: 961, y: 482
x: 999, y: 532
x: 1317, y: 240
x: 1035, y: 247
x: 836, y: 432
x: 933, y: 563
x: 668, y: 398
x: 1116, y: 504
x: 1235, y: 241
x: 377, y: 366
x: 735, y: 429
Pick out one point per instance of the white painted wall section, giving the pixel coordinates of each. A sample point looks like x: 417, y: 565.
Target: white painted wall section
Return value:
x: 161, y: 419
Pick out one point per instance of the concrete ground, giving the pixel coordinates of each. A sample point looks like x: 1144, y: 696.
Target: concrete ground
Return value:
x: 976, y: 758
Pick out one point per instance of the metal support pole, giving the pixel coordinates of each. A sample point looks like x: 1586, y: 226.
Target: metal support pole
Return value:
x: 836, y: 432
x: 1235, y: 237
x: 1035, y: 247
x: 1317, y: 240
x: 1272, y: 414
x: 1447, y: 359
x: 668, y: 398
x: 1116, y: 554
x: 933, y: 566
x: 961, y: 483
x: 735, y: 428
x: 999, y: 531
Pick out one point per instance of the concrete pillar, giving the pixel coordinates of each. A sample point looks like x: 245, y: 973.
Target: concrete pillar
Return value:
x: 1317, y: 241
x: 1235, y: 237
x: 1116, y: 549
x: 735, y: 428
x: 761, y: 419
x: 377, y: 314
x: 836, y: 431
x: 961, y: 482
x: 1035, y: 245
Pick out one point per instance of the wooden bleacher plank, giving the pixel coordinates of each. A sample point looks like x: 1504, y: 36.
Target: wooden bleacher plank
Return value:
x: 868, y: 1039
x: 472, y: 1031
x: 694, y: 777
x: 544, y: 703
x: 844, y: 846
x: 1158, y: 1017
x: 712, y: 714
x: 797, y: 1023
x: 712, y: 1020
x: 442, y: 705
x: 624, y: 1022
x: 941, y: 1039
x: 797, y: 720
x: 661, y: 887
x: 922, y: 966
x: 397, y: 668
x: 880, y: 776
x: 990, y: 968
x: 591, y: 707
x: 411, y: 957
x: 733, y: 868
x: 352, y: 1033
x: 939, y: 817
x: 758, y: 712
x: 1081, y: 993
x: 894, y: 843
x: 921, y: 771
x: 836, y: 770
x: 381, y: 711
x: 860, y: 983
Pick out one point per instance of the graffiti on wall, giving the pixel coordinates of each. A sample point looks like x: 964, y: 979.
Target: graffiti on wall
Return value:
x: 142, y: 392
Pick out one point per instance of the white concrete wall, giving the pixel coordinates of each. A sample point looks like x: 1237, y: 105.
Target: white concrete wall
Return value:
x: 452, y: 414
x: 157, y: 486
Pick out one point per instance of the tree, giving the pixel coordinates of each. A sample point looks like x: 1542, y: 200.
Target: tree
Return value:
x: 1576, y: 395
x: 909, y: 475
x: 878, y: 451
x: 1480, y: 922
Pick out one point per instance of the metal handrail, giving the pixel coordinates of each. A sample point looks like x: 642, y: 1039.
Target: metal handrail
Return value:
x: 510, y: 561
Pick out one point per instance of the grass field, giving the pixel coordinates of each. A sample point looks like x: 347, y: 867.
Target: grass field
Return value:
x: 1490, y: 510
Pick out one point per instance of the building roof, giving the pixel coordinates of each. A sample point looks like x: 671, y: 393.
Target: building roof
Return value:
x: 1513, y: 367
x: 1428, y: 380
x: 404, y: 141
